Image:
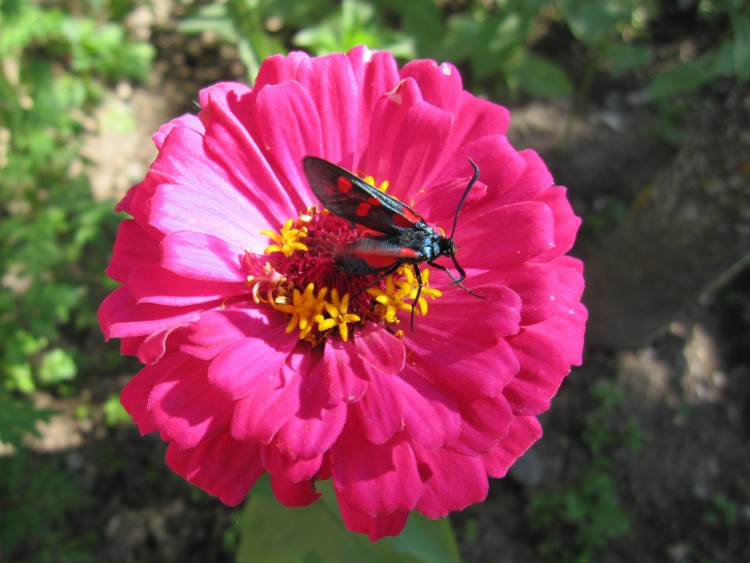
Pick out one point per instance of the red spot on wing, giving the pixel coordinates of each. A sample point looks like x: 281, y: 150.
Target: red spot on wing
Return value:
x: 362, y: 209
x: 344, y: 184
x: 401, y: 221
x: 381, y: 261
x: 411, y: 215
x: 407, y: 253
x: 367, y: 230
x: 378, y: 261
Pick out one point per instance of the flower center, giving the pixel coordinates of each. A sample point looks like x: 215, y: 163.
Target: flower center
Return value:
x: 302, y: 279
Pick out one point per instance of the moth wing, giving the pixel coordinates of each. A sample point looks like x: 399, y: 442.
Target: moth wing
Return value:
x: 371, y: 255
x: 350, y: 197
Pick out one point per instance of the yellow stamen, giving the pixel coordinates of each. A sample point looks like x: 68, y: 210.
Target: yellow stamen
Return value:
x: 339, y: 317
x: 410, y: 284
x: 383, y: 187
x: 397, y: 291
x: 287, y: 240
x: 390, y: 300
x: 304, y: 307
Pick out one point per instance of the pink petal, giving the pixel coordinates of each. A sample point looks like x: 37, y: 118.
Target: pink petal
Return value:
x: 376, y: 527
x: 431, y: 416
x: 153, y: 347
x: 232, y: 92
x: 219, y: 328
x: 188, y: 163
x: 478, y: 118
x: 500, y: 167
x: 260, y: 415
x: 129, y: 345
x: 375, y: 73
x: 134, y: 396
x: 439, y: 203
x: 253, y: 363
x: 296, y: 470
x: 186, y: 121
x: 221, y: 466
x: 133, y: 248
x: 566, y: 328
x: 381, y: 410
x: 154, y: 284
x: 120, y: 316
x: 566, y: 222
x: 318, y: 422
x: 234, y: 142
x: 374, y: 479
x: 568, y: 325
x: 440, y: 84
x: 380, y: 351
x: 280, y: 109
x: 279, y: 68
x: 461, y: 361
x: 202, y: 257
x: 332, y: 87
x: 535, y: 284
x: 536, y: 177
x: 184, y: 407
x: 496, y: 314
x: 346, y: 378
x: 401, y: 147
x: 290, y: 493
x: 507, y: 235
x: 544, y: 364
x: 484, y: 421
x: 523, y: 432
x: 451, y: 481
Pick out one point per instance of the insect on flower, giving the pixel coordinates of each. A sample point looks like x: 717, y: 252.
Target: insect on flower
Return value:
x: 397, y: 233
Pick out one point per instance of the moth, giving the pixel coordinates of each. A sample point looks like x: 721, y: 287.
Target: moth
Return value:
x: 397, y: 234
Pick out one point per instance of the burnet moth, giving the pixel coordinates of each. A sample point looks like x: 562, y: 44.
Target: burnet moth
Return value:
x: 399, y: 234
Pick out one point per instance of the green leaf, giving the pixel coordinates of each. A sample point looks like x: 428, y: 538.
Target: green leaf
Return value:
x: 272, y: 533
x: 114, y: 412
x: 538, y: 76
x: 424, y: 21
x: 682, y: 79
x: 741, y: 43
x: 57, y: 366
x: 17, y: 419
x: 592, y: 20
x: 212, y: 18
x: 355, y: 23
x: 621, y: 57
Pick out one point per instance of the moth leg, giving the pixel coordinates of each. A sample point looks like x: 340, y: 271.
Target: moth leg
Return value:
x: 419, y: 292
x: 456, y: 280
x: 382, y: 275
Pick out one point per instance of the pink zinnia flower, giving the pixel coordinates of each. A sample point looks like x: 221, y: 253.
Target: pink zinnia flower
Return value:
x: 262, y: 355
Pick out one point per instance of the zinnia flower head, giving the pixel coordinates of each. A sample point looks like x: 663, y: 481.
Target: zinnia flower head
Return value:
x: 263, y: 354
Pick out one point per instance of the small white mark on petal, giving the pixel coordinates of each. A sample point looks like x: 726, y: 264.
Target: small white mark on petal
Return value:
x: 446, y: 69
x: 395, y: 94
x: 551, y: 297
x: 367, y: 54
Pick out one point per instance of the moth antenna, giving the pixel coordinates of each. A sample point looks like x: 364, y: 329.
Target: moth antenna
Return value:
x: 471, y: 183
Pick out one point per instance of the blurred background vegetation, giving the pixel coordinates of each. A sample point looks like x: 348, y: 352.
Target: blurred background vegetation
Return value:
x: 59, y: 64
